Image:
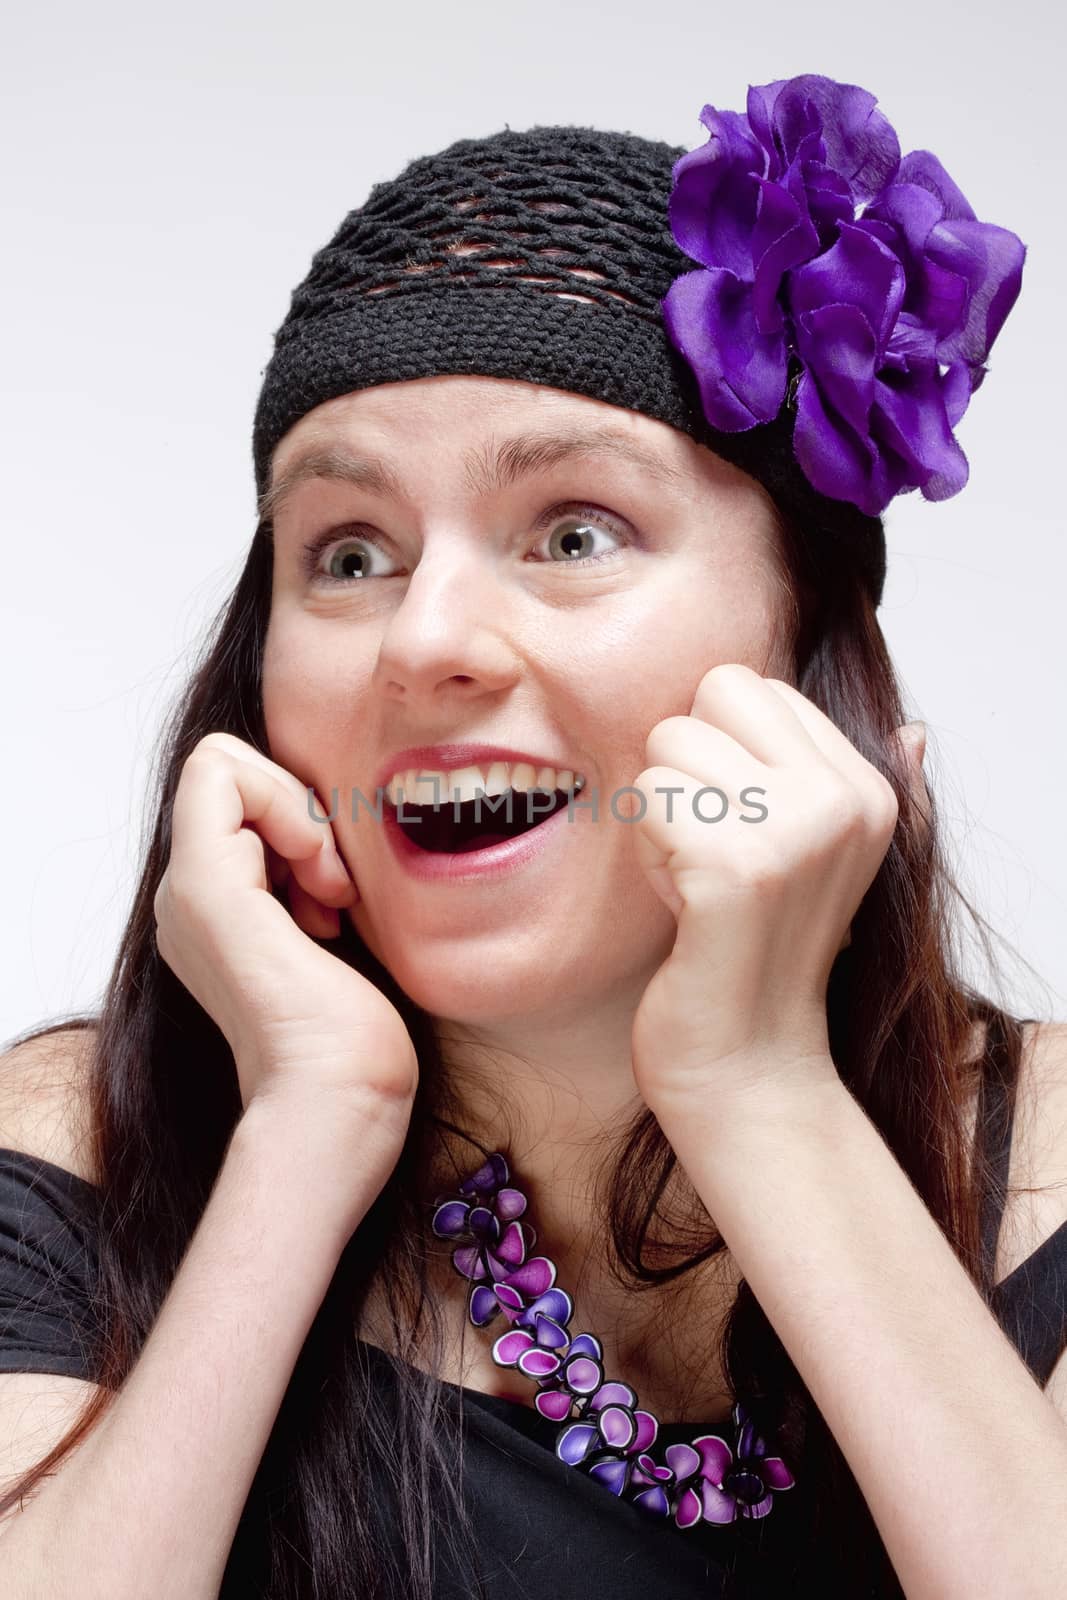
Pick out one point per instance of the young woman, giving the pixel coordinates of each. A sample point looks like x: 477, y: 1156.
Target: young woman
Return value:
x: 437, y: 1171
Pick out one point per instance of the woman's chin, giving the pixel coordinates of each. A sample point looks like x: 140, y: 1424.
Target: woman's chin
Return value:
x: 479, y: 979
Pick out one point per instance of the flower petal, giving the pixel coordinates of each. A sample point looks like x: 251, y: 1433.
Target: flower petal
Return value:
x: 994, y: 283
x: 490, y: 1176
x: 683, y: 1460
x: 951, y: 248
x: 575, y: 1442
x: 509, y: 1298
x: 510, y: 1346
x: 716, y: 1457
x: 922, y: 168
x: 586, y: 1344
x: 611, y: 1473
x: 827, y: 196
x: 759, y: 1509
x: 484, y: 1305
x: 956, y: 391
x: 741, y: 373
x: 510, y: 1203
x: 534, y: 1276
x: 834, y: 458
x: 905, y: 216
x: 582, y: 1374
x: 837, y: 346
x: 749, y: 1442
x: 712, y: 205
x: 647, y: 1429
x: 484, y: 1226
x: 784, y: 237
x: 554, y: 1303
x: 511, y: 1246
x: 654, y: 1499
x: 613, y: 1394
x: 538, y: 1363
x: 450, y: 1220
x: 500, y: 1271
x: 617, y: 1427
x: 858, y: 271
x: 651, y: 1469
x: 554, y: 1403
x: 549, y: 1333
x: 783, y: 136
x: 468, y: 1261
x: 688, y: 1511
x: 911, y: 422
x: 858, y: 140
x: 775, y: 1473
x: 716, y: 1505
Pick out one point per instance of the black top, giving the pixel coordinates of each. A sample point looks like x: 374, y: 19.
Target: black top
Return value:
x: 540, y: 1524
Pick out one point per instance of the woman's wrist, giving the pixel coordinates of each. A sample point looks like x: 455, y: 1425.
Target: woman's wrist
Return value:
x: 332, y: 1166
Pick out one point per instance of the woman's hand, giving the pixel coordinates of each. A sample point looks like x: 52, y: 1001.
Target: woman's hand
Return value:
x: 763, y: 906
x: 308, y: 1032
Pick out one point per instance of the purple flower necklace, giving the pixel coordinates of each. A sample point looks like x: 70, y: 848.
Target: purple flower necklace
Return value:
x: 607, y: 1436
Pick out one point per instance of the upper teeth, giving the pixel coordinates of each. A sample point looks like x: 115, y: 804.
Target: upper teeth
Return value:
x: 428, y: 786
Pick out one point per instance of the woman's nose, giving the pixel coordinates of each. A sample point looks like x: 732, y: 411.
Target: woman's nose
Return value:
x: 449, y: 627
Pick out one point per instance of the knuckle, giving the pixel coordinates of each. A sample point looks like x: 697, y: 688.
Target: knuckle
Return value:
x: 656, y: 778
x: 179, y: 898
x: 663, y: 738
x: 768, y: 873
x: 890, y: 805
x: 841, y: 804
x: 218, y: 740
x: 208, y: 749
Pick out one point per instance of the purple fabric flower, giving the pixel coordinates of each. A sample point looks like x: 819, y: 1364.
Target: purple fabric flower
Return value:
x: 822, y: 251
x: 711, y: 1483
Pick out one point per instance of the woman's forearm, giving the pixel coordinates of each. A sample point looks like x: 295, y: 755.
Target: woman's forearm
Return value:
x: 959, y: 1455
x: 149, y: 1503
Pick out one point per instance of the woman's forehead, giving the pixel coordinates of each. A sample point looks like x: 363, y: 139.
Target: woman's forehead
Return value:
x: 499, y: 427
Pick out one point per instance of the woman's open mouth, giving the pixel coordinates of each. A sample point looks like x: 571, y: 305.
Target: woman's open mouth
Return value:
x: 470, y: 825
x: 468, y: 839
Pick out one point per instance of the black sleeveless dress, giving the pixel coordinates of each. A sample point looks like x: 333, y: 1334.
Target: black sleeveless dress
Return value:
x: 541, y: 1526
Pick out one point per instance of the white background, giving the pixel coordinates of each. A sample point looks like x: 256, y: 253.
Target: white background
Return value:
x: 169, y: 174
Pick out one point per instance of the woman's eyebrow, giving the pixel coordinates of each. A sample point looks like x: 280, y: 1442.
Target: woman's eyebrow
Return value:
x: 494, y: 467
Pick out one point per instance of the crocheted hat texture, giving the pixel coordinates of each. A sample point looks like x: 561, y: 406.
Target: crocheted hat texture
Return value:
x: 540, y: 255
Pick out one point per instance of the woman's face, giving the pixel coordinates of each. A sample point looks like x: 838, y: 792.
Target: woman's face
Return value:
x: 448, y: 603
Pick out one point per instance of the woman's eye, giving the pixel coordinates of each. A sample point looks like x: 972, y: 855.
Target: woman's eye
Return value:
x: 351, y: 559
x: 573, y: 538
x: 333, y: 558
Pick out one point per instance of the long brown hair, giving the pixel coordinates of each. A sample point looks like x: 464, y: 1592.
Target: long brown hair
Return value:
x: 165, y: 1102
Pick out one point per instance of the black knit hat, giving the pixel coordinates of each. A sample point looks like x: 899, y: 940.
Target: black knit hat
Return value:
x: 543, y: 256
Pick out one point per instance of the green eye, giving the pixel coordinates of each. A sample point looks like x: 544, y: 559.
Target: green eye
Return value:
x: 354, y: 562
x: 353, y: 554
x: 573, y: 539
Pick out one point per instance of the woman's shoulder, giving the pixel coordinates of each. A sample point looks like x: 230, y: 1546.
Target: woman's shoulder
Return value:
x: 46, y: 1101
